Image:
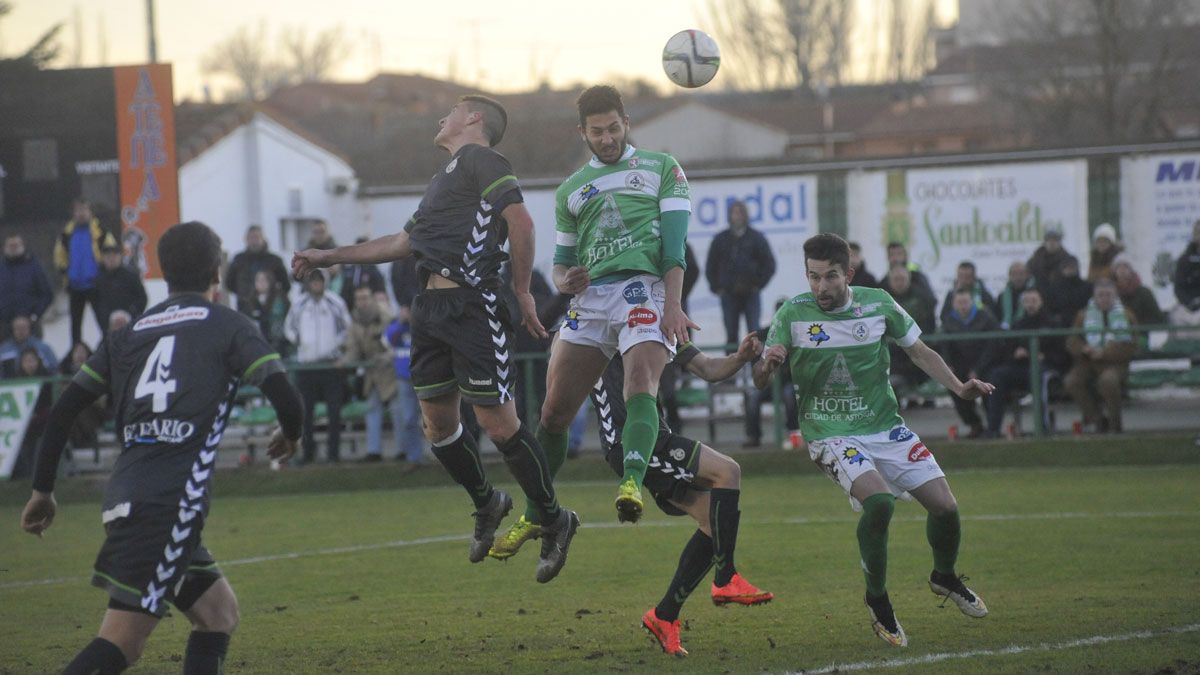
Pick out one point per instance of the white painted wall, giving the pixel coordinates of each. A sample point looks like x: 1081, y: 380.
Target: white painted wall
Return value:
x: 248, y: 176
x: 695, y: 132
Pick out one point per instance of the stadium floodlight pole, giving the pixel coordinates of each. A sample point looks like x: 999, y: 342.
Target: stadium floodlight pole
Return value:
x: 150, y: 37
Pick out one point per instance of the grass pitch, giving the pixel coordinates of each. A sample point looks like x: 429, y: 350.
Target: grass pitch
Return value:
x: 1087, y: 553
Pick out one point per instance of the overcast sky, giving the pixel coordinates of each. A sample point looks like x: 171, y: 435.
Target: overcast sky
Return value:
x: 500, y: 46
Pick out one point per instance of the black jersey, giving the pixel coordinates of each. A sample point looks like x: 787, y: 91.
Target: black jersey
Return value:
x: 608, y: 398
x: 172, y: 376
x: 458, y: 231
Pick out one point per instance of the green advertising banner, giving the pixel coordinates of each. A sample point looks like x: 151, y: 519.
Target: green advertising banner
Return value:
x: 16, y: 407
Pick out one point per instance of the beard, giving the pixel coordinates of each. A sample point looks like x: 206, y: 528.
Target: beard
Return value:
x: 596, y: 151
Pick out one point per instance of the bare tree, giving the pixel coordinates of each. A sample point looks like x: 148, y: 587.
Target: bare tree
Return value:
x: 247, y: 57
x: 806, y: 43
x: 40, y: 54
x: 1097, y: 70
x: 316, y: 60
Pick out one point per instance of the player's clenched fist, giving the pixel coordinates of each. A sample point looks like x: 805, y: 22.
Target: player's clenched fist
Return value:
x: 280, y: 446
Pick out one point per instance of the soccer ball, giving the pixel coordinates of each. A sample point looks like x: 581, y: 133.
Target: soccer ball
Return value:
x: 691, y: 58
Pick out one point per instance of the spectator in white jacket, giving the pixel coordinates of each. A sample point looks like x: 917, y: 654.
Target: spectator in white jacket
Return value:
x: 317, y: 325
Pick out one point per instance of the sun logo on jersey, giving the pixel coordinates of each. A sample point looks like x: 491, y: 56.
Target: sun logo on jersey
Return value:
x: 817, y: 334
x: 588, y: 191
x: 853, y: 456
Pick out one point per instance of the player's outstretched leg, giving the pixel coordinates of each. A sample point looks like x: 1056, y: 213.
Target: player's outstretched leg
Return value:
x: 725, y: 476
x: 529, y: 525
x: 663, y: 620
x: 943, y: 529
x: 872, y: 547
x: 529, y: 466
x: 638, y: 437
x: 944, y: 533
x: 459, y: 453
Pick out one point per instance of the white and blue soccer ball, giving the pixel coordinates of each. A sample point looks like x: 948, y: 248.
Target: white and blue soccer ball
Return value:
x: 691, y: 58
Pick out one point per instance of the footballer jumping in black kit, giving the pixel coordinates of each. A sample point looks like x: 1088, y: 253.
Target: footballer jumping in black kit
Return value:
x: 461, y: 335
x: 686, y: 478
x: 171, y: 376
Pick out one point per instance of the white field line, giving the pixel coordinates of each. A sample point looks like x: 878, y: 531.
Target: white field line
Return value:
x: 406, y: 543
x: 1002, y: 651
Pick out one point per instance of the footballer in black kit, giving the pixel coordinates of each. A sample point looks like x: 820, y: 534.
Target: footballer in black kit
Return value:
x: 462, y: 339
x: 172, y: 375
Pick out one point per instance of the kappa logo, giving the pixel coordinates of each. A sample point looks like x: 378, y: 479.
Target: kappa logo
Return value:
x: 643, y: 316
x: 900, y: 434
x: 817, y: 334
x: 918, y: 452
x: 588, y: 191
x: 853, y: 456
x: 635, y: 293
x: 634, y: 456
x: 572, y: 320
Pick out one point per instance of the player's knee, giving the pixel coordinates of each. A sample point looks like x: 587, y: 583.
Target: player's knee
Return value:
x: 944, y: 507
x: 555, y: 418
x: 220, y: 617
x: 723, y: 471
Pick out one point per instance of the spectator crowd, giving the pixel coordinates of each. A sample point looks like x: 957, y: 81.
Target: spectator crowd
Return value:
x: 350, y: 341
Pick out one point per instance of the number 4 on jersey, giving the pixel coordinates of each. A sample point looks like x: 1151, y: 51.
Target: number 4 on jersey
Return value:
x: 155, y: 379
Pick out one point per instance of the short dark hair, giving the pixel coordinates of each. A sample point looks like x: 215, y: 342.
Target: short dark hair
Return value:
x: 828, y: 246
x: 597, y: 100
x: 854, y: 246
x: 495, y: 118
x: 895, y: 244
x: 966, y: 264
x: 963, y: 290
x: 190, y: 255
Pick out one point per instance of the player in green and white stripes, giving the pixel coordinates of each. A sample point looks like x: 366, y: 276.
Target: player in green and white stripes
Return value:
x: 834, y: 341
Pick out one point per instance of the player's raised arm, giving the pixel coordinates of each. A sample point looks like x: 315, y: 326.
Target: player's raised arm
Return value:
x: 521, y: 250
x: 384, y: 249
x: 932, y: 363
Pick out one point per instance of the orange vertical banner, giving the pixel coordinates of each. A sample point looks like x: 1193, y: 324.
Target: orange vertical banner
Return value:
x: 146, y: 151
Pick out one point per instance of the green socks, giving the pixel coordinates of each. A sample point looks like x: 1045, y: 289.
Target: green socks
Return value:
x: 872, y: 541
x: 555, y: 447
x: 944, y: 533
x: 639, y: 434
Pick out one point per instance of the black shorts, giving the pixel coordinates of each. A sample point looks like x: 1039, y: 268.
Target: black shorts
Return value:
x: 672, y: 470
x: 462, y: 339
x: 153, y: 556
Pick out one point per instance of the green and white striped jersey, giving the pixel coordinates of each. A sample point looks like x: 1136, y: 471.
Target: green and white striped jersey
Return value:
x: 607, y: 215
x: 839, y: 361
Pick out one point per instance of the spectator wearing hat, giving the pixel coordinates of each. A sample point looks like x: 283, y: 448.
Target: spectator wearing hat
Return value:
x: 77, y: 258
x: 1187, y: 282
x: 1045, y: 265
x: 1105, y: 249
x: 1069, y: 293
x: 117, y: 286
x: 27, y: 290
x: 1134, y: 295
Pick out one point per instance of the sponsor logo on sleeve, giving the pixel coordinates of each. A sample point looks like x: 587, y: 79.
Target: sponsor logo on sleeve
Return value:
x: 918, y: 452
x: 635, y: 293
x: 679, y: 175
x: 452, y: 165
x: 900, y: 434
x: 642, y: 316
x: 678, y: 454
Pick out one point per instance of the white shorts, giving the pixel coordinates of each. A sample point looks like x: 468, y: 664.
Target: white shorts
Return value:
x: 615, y: 317
x: 898, y: 455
